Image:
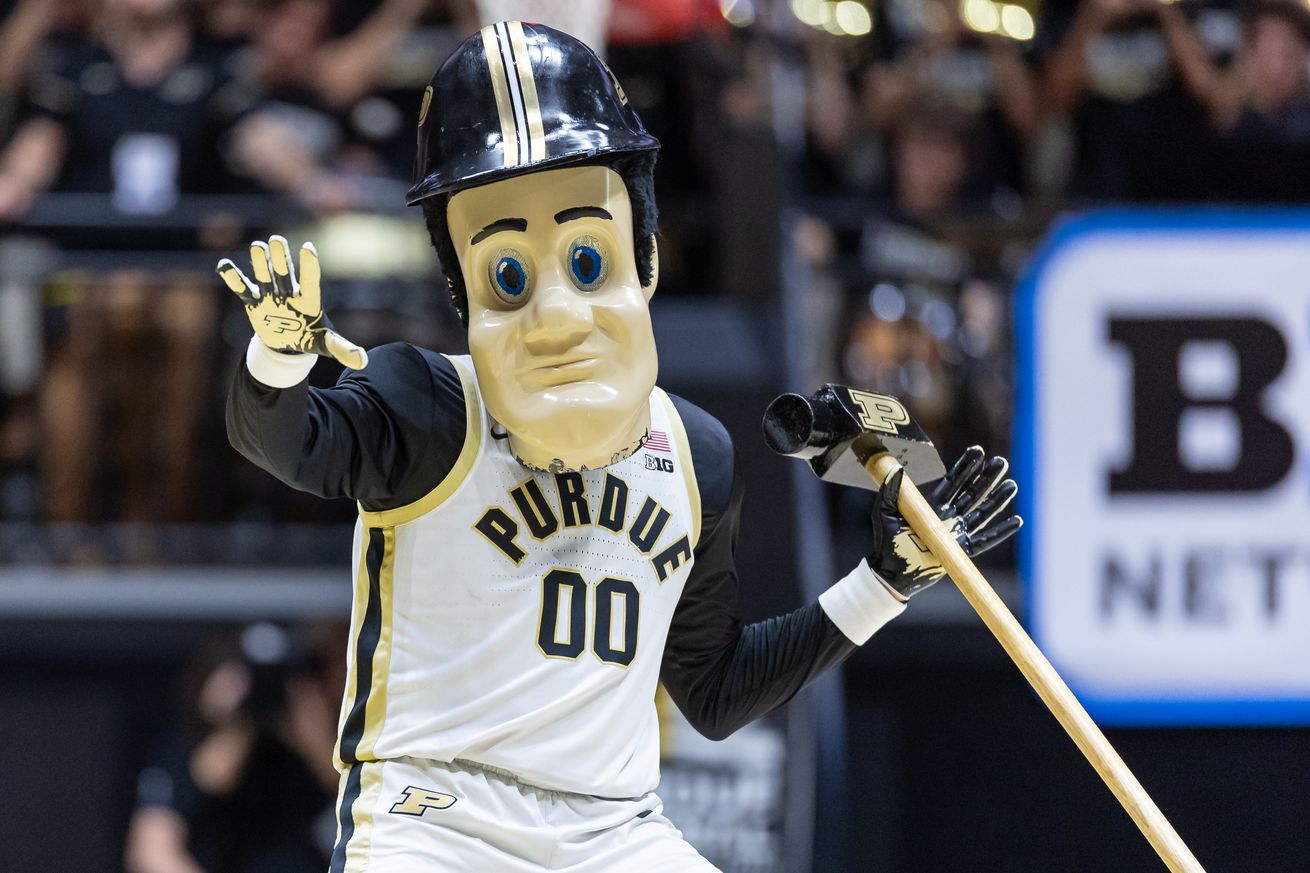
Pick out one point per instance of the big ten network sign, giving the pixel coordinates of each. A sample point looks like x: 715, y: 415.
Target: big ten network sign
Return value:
x: 1162, y: 437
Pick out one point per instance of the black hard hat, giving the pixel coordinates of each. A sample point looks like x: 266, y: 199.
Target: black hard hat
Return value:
x: 517, y: 98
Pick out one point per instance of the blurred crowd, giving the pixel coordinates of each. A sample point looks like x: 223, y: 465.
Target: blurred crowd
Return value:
x: 140, y: 140
x: 1108, y: 100
x: 135, y: 108
x: 907, y: 162
x: 940, y: 145
x: 152, y: 100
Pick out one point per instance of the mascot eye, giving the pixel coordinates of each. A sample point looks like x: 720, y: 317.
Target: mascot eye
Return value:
x: 588, y: 264
x: 509, y: 277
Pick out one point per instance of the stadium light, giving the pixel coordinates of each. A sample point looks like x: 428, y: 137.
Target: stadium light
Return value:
x: 738, y: 13
x: 1017, y: 22
x: 838, y: 17
x: 829, y: 22
x: 853, y: 18
x: 980, y: 15
x: 808, y: 11
x: 1004, y: 19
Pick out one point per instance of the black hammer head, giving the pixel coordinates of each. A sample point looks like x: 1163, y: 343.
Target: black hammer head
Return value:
x: 839, y: 429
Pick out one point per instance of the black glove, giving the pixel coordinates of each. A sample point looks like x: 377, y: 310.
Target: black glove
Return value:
x: 973, y: 499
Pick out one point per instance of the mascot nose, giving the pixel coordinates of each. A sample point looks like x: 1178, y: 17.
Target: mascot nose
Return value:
x: 561, y: 318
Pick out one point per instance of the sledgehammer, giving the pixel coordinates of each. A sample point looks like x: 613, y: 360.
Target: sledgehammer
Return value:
x: 849, y: 436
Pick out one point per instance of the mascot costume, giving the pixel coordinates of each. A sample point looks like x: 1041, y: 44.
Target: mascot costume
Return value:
x: 544, y: 535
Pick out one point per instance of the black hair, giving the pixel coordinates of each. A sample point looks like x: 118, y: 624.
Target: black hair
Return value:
x: 638, y: 173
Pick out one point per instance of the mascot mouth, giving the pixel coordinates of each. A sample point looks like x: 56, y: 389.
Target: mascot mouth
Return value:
x: 565, y: 372
x: 567, y: 363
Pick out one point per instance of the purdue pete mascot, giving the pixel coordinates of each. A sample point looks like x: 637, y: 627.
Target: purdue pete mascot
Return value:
x: 544, y: 535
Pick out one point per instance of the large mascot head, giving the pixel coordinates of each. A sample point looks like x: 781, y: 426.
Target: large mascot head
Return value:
x: 536, y: 182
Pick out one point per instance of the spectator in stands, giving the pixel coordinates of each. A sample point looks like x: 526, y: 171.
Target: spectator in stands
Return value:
x: 980, y: 76
x: 1260, y: 103
x: 1136, y: 134
x: 844, y: 153
x: 931, y: 160
x: 23, y: 30
x: 1269, y: 81
x: 321, y: 134
x: 249, y: 789
x: 139, y: 112
x: 686, y: 76
x: 918, y: 264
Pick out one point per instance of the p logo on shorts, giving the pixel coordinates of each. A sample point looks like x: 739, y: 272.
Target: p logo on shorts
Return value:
x: 417, y: 801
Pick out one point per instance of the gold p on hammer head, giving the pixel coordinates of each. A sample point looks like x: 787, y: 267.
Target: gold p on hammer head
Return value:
x: 838, y: 429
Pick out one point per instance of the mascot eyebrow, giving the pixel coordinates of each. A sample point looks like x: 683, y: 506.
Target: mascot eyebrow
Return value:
x: 521, y: 224
x: 518, y: 224
x: 575, y: 212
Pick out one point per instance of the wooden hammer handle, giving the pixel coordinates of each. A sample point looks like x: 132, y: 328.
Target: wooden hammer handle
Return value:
x: 1038, y: 671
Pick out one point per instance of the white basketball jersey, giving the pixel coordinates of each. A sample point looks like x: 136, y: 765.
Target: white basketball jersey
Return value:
x: 516, y: 619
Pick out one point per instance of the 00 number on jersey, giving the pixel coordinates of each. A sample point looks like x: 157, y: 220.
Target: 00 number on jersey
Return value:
x: 562, y: 630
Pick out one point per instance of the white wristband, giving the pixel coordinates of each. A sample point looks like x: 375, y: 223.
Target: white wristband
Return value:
x: 859, y: 604
x: 276, y: 369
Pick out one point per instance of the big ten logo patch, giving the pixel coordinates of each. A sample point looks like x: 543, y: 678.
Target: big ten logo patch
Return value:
x: 417, y: 801
x: 664, y: 465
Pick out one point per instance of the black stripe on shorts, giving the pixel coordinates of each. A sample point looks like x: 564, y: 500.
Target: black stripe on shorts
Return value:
x: 346, y: 820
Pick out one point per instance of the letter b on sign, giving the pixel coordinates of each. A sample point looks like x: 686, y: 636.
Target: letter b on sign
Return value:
x: 1169, y: 409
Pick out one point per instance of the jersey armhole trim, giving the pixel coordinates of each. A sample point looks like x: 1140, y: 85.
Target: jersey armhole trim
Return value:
x: 684, y: 458
x: 458, y: 473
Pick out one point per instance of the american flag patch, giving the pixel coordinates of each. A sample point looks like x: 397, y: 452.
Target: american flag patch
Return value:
x: 658, y: 441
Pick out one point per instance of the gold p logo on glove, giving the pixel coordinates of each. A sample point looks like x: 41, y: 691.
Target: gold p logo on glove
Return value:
x: 920, y: 564
x: 973, y: 499
x: 282, y: 324
x: 286, y: 311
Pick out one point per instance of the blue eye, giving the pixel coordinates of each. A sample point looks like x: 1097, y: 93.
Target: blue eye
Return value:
x: 588, y: 266
x: 509, y: 277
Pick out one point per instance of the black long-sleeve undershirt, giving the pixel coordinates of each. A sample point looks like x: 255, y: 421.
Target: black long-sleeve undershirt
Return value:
x: 387, y: 435
x: 723, y: 674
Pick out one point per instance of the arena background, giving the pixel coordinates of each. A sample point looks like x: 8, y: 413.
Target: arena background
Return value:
x: 854, y: 191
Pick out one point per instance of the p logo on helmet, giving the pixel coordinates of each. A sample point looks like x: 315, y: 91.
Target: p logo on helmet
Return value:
x: 423, y: 109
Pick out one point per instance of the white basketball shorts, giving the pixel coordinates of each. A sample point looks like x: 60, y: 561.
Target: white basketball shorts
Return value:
x: 413, y: 816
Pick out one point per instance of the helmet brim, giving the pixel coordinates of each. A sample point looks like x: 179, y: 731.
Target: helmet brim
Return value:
x: 477, y: 172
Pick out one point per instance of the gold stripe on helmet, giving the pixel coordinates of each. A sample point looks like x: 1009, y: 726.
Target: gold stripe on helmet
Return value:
x: 508, y: 137
x: 528, y: 84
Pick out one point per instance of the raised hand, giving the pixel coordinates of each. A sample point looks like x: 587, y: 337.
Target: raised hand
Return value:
x: 973, y: 498
x: 286, y: 311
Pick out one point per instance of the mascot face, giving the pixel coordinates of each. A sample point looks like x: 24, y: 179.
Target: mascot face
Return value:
x: 559, y: 328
